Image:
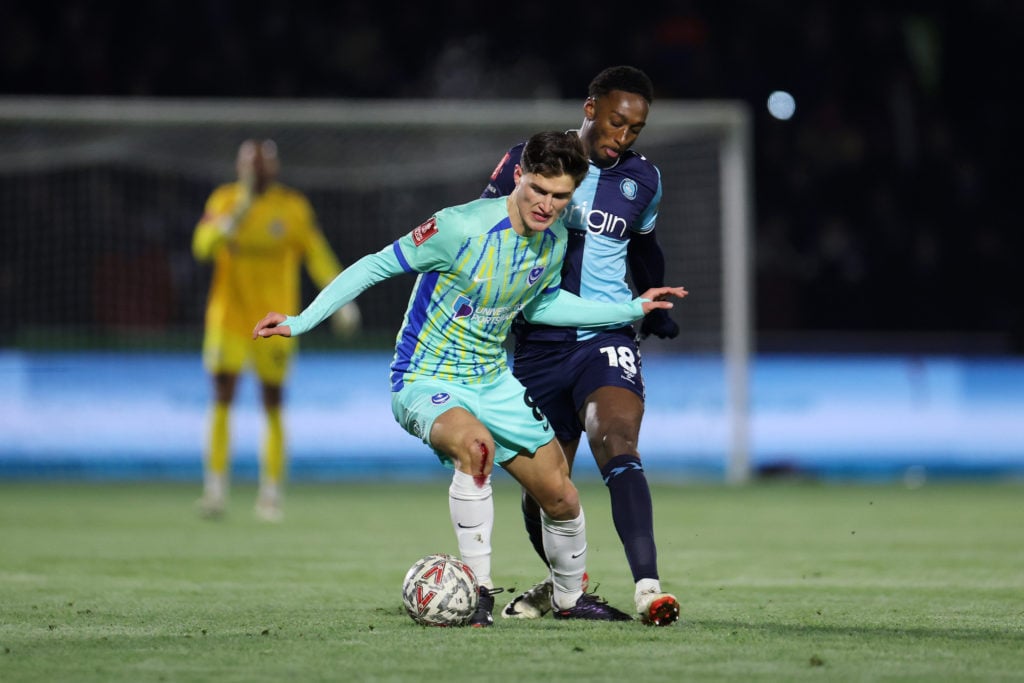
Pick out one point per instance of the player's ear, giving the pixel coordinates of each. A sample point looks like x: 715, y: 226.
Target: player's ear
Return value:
x: 517, y: 174
x: 588, y: 108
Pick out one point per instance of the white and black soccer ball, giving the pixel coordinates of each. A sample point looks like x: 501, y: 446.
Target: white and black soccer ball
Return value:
x: 440, y: 590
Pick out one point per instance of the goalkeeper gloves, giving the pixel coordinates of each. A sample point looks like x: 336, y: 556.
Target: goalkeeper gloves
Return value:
x: 346, y: 321
x: 659, y: 324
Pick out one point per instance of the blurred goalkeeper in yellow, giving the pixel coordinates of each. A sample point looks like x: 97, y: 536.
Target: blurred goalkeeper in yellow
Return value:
x: 258, y: 234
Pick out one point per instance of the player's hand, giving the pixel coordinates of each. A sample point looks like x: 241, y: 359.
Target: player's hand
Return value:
x: 229, y: 224
x: 660, y: 325
x: 346, y: 321
x: 657, y: 297
x: 247, y: 194
x: 246, y: 180
x: 271, y: 326
x: 247, y: 169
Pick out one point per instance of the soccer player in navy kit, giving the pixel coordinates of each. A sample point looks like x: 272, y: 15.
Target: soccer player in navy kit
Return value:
x: 599, y: 388
x: 479, y: 265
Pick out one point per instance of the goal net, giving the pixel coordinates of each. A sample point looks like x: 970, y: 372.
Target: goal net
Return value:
x: 99, y: 198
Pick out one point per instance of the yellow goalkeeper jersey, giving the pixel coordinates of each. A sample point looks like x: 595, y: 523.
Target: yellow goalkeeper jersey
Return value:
x: 257, y: 267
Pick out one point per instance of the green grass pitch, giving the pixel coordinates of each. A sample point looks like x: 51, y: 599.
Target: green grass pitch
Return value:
x: 779, y: 582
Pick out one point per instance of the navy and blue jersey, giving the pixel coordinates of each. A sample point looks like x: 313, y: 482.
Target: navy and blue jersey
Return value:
x: 608, y: 208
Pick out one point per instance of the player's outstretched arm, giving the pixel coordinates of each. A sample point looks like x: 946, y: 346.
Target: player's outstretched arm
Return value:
x: 657, y: 297
x: 270, y: 325
x: 560, y: 308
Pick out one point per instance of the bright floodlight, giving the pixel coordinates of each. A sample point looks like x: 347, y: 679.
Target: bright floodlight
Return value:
x: 781, y: 105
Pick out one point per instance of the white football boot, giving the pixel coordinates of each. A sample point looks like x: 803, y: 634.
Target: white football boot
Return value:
x: 215, y: 495
x: 535, y: 602
x: 268, y: 503
x: 655, y: 607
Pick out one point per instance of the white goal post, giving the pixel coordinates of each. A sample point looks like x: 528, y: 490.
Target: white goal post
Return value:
x: 77, y: 168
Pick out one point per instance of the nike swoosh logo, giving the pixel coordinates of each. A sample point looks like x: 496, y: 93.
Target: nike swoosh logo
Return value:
x: 478, y: 279
x: 578, y: 555
x: 468, y: 526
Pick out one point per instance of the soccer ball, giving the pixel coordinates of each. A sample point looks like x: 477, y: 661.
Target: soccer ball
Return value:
x: 440, y: 590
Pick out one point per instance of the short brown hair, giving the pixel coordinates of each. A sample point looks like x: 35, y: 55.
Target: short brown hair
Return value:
x: 555, y: 153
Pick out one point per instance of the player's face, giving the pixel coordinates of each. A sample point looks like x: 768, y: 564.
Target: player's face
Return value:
x: 613, y: 123
x: 537, y: 200
x: 257, y: 163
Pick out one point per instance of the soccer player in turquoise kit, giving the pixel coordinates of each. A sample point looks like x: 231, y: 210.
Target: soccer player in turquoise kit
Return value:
x: 479, y: 265
x: 600, y: 386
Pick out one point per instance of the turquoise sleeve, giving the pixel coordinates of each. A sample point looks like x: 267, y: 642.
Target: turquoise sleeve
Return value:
x: 562, y: 309
x: 350, y: 283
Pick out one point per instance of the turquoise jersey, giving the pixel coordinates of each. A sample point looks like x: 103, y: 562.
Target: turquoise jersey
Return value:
x: 476, y: 274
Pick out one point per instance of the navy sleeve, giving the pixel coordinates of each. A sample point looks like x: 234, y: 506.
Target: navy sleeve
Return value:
x: 646, y: 261
x: 502, y: 181
x: 647, y: 267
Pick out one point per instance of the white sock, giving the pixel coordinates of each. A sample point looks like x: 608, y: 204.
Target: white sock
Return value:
x: 270, y: 492
x: 647, y: 586
x: 565, y: 544
x: 215, y: 486
x: 472, y: 514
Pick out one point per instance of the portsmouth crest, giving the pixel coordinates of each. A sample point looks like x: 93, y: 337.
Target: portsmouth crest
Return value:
x: 534, y: 274
x: 463, y: 307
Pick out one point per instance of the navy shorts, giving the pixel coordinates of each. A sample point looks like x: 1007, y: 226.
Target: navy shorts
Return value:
x: 559, y: 376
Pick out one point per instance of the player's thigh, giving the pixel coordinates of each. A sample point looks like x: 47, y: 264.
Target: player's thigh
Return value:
x: 454, y: 428
x: 503, y: 407
x: 273, y: 359
x: 609, y: 360
x: 611, y: 406
x: 224, y: 352
x: 544, y: 475
x: 548, y: 371
x: 513, y: 418
x: 440, y: 414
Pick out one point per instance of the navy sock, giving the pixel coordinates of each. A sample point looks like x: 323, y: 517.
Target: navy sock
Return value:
x: 531, y: 519
x: 632, y: 513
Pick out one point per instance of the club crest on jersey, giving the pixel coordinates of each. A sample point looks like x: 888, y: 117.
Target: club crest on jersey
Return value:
x: 463, y: 307
x: 438, y: 399
x: 628, y: 188
x: 534, y: 274
x: 424, y: 231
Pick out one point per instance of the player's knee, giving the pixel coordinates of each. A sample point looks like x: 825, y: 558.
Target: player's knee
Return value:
x: 611, y: 443
x: 224, y: 387
x: 561, y: 501
x: 476, y: 453
x: 272, y: 395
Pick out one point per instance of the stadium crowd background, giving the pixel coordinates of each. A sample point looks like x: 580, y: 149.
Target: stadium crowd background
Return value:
x: 883, y: 207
